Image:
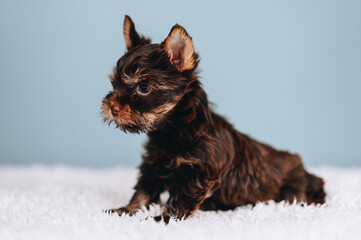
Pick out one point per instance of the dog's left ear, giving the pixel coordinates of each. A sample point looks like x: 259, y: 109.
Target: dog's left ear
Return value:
x: 179, y: 47
x: 131, y: 36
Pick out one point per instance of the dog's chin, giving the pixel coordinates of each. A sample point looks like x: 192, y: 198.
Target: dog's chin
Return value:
x: 135, y: 126
x: 145, y: 123
x: 131, y: 128
x: 128, y: 128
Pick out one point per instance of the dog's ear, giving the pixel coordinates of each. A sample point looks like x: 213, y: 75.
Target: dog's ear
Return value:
x: 131, y: 36
x: 179, y: 47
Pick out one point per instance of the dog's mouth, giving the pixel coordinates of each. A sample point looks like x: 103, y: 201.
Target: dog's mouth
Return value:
x: 125, y: 119
x: 129, y: 120
x: 118, y: 122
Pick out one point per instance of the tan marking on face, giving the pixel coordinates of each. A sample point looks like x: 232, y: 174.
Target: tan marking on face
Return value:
x: 165, y: 108
x: 164, y: 87
x: 127, y: 79
x: 127, y: 116
x: 158, y: 114
x: 134, y: 78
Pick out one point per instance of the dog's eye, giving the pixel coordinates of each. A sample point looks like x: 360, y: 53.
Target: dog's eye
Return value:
x: 143, y: 89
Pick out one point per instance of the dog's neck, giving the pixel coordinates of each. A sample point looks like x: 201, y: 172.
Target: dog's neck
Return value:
x: 190, y: 120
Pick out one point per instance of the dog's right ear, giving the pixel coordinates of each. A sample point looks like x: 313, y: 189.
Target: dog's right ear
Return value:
x: 131, y: 36
x: 179, y: 47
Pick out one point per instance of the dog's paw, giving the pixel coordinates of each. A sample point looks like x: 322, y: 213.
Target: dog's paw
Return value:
x: 120, y: 211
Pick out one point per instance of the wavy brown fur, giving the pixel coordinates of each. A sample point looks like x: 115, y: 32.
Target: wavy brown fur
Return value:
x: 192, y: 152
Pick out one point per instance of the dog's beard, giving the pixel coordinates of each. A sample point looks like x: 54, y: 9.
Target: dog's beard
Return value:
x: 131, y: 128
x: 134, y: 126
x: 127, y: 127
x: 137, y: 122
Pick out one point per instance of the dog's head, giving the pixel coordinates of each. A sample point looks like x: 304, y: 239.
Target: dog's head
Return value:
x: 149, y: 79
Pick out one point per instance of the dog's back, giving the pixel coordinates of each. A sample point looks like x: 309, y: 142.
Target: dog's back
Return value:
x: 258, y: 172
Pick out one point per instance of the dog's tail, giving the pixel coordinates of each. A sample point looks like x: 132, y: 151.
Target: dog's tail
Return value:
x: 315, y: 191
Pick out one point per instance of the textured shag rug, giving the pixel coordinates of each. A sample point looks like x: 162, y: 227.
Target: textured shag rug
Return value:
x: 67, y: 203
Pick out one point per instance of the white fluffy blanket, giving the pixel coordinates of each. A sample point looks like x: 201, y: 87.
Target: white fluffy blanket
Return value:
x: 67, y: 203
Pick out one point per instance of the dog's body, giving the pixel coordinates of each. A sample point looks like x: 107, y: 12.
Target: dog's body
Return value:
x: 192, y: 152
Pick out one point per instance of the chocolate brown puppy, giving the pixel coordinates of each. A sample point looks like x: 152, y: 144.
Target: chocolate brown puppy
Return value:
x: 192, y: 152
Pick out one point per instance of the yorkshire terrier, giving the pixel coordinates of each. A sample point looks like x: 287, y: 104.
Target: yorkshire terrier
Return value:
x: 193, y: 153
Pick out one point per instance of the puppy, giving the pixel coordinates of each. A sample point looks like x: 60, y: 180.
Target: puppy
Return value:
x: 192, y: 152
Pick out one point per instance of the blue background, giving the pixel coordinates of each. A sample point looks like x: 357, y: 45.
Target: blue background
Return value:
x: 286, y: 72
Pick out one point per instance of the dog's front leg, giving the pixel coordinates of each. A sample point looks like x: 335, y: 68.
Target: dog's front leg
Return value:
x: 186, y: 196
x: 147, y: 190
x: 139, y: 199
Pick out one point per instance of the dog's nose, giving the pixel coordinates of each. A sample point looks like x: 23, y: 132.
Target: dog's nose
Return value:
x: 115, y: 109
